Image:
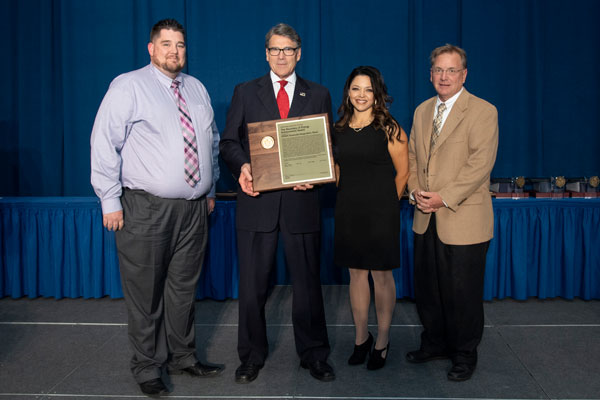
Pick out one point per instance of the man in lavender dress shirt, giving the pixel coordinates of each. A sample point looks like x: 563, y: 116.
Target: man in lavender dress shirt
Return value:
x: 160, y: 218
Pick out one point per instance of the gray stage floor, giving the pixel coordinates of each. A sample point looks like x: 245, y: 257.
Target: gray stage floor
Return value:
x: 78, y: 349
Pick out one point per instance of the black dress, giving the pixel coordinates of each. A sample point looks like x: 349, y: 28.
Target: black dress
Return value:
x: 367, y: 211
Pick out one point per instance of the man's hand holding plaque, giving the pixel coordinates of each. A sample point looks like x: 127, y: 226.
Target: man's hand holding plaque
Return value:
x: 305, y: 186
x: 245, y: 180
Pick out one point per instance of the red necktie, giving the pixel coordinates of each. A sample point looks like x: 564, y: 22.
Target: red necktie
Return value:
x: 283, y: 101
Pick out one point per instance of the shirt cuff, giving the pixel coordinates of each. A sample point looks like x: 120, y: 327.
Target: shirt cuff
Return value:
x: 111, y: 205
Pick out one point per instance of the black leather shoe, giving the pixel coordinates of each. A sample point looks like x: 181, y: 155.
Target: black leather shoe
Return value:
x: 461, y: 372
x: 420, y: 356
x: 319, y: 370
x: 153, y: 387
x: 377, y: 360
x: 359, y: 355
x: 198, y: 369
x: 247, y: 372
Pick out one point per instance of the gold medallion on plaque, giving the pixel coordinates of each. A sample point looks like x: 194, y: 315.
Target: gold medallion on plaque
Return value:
x: 267, y: 142
x: 560, y: 181
x: 594, y: 181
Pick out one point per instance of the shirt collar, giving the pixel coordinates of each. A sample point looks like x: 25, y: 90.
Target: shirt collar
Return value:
x: 164, y: 79
x: 290, y: 79
x: 450, y: 102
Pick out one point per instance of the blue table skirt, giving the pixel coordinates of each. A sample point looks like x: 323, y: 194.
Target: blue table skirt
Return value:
x: 57, y: 247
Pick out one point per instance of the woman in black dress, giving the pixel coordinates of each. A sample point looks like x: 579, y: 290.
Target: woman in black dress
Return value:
x: 372, y: 170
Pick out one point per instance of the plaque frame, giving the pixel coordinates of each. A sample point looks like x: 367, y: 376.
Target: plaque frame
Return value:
x: 265, y: 156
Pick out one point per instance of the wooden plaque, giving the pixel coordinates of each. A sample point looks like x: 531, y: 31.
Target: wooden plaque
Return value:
x: 289, y: 152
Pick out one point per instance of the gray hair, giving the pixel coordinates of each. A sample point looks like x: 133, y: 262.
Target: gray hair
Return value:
x: 282, y: 29
x: 449, y: 48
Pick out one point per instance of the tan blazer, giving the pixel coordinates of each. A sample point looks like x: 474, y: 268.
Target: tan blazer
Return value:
x: 459, y: 168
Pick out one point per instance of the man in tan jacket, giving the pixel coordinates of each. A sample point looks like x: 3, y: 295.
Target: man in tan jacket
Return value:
x: 452, y: 149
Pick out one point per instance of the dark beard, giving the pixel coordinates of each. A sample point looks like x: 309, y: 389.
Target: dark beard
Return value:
x: 175, y: 70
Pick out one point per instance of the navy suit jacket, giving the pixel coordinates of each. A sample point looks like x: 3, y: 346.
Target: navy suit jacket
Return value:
x: 254, y: 101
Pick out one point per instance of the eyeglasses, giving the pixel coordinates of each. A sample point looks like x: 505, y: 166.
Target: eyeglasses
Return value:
x: 288, y: 51
x: 449, y: 71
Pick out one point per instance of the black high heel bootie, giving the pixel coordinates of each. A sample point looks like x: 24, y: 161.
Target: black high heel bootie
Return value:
x: 361, y: 351
x: 376, y: 361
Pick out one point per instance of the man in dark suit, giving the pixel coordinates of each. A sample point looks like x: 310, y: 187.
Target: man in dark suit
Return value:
x: 452, y: 150
x: 262, y: 216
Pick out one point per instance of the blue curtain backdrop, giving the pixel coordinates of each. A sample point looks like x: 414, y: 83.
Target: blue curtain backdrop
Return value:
x: 536, y: 60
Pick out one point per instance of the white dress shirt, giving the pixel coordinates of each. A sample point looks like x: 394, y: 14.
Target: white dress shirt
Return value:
x: 289, y: 88
x: 449, y: 104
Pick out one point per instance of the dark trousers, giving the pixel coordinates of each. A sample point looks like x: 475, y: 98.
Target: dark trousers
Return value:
x: 161, y: 249
x: 449, y: 295
x: 257, y: 252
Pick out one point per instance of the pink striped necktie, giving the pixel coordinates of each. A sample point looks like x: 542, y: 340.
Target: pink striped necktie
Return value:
x: 190, y: 148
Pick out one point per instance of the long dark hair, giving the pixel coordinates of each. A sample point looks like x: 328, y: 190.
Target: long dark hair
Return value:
x: 382, y: 117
